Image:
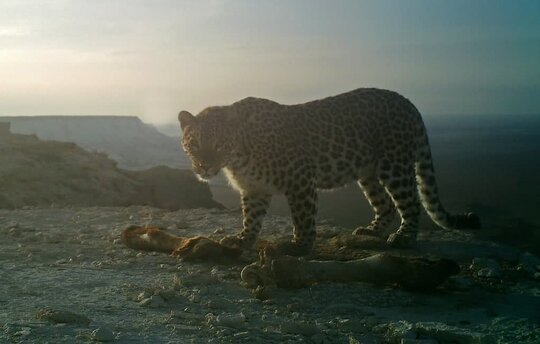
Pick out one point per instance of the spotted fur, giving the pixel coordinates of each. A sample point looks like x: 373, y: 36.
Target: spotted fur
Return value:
x: 372, y: 136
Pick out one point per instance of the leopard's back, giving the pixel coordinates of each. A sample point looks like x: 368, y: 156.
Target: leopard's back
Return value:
x: 337, y: 136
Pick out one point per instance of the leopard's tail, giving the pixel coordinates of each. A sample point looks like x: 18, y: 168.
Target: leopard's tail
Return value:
x: 429, y: 195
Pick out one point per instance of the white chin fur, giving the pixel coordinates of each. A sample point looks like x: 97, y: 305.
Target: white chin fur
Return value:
x: 205, y: 178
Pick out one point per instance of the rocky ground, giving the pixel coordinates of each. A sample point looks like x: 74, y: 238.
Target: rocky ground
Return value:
x: 67, y: 278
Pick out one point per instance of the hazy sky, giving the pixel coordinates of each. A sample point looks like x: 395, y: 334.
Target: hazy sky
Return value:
x: 153, y: 58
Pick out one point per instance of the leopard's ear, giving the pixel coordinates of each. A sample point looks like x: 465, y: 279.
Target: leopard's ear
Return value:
x: 186, y: 119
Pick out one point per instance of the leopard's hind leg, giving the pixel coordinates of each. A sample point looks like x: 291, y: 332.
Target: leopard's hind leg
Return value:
x: 400, y: 182
x: 381, y: 203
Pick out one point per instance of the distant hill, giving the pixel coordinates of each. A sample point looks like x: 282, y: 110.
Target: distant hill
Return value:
x: 51, y: 173
x: 169, y: 129
x: 126, y: 139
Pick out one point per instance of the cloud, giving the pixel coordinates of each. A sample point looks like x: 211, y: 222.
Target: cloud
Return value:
x: 154, y: 57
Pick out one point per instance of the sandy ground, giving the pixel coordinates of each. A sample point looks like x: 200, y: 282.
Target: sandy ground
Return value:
x: 66, y: 278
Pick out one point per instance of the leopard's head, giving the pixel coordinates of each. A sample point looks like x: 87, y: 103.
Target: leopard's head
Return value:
x: 205, y: 141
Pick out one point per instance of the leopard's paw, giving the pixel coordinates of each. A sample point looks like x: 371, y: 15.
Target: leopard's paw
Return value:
x: 401, y: 239
x: 366, y: 231
x: 236, y: 241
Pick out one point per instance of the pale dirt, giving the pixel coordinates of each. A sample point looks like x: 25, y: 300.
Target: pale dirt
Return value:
x: 72, y: 260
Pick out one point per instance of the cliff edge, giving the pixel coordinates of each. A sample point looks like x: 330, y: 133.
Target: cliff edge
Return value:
x: 50, y: 173
x: 134, y: 144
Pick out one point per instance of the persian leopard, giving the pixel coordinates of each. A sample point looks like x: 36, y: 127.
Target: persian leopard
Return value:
x: 372, y: 136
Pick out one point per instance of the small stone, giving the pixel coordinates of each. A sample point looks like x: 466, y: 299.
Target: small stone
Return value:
x: 486, y: 268
x: 301, y: 328
x: 530, y: 262
x: 23, y: 332
x: 231, y: 320
x: 195, y: 298
x: 188, y: 318
x: 154, y: 301
x: 218, y: 303
x: 536, y: 276
x: 167, y: 294
x: 248, y: 301
x: 489, y: 273
x: 353, y: 340
x: 62, y: 317
x: 210, y: 318
x: 217, y: 273
x: 480, y: 263
x: 397, y: 331
x: 352, y: 325
x: 145, y: 302
x: 241, y: 334
x: 117, y: 241
x: 102, y: 334
x: 144, y: 295
x: 14, y: 231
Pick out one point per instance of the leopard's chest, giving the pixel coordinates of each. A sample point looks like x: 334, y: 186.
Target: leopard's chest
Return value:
x: 246, y: 181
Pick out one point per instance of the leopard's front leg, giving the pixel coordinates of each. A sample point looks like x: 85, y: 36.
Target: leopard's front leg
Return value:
x: 302, y: 201
x: 254, y: 208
